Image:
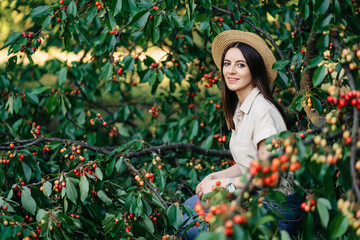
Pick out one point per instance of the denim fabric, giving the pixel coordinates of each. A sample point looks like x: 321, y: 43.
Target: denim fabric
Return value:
x: 292, y: 212
x: 194, y: 231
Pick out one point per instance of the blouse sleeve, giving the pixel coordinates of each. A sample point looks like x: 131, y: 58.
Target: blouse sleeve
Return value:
x: 264, y: 127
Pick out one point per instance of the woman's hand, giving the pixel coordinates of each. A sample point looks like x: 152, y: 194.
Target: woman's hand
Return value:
x: 205, y: 186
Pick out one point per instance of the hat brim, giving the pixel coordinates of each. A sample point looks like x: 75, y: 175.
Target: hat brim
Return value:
x: 225, y: 38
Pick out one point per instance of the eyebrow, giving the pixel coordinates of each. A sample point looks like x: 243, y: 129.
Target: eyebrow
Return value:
x: 235, y: 61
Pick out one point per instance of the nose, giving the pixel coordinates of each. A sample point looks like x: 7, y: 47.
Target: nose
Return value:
x: 232, y: 68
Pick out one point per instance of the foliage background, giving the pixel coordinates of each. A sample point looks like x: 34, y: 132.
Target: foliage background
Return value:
x: 146, y: 67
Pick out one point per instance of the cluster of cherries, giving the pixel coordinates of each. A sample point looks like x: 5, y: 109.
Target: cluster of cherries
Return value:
x: 308, y: 206
x: 351, y: 211
x: 98, y: 118
x: 221, y: 139
x: 154, y: 111
x: 75, y: 152
x: 349, y: 98
x: 29, y: 37
x: 36, y: 129
x: 217, y: 106
x: 218, y: 209
x: 210, y: 80
x: 85, y: 169
x: 153, y: 217
x: 58, y: 186
x: 113, y: 132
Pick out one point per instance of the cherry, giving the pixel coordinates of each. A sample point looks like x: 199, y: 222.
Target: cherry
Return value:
x: 61, y: 2
x: 97, y: 4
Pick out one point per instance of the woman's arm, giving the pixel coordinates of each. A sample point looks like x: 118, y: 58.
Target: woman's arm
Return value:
x: 231, y: 172
x: 206, y: 185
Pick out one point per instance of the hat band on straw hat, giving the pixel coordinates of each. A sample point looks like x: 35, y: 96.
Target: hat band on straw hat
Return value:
x: 225, y: 38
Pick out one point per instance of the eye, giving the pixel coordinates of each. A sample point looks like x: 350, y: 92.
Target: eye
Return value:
x: 241, y: 65
x: 226, y: 63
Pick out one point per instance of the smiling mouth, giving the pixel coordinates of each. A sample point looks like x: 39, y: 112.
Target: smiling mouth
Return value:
x: 233, y: 79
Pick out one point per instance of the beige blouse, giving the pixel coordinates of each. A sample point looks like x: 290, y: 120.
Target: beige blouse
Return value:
x: 256, y: 119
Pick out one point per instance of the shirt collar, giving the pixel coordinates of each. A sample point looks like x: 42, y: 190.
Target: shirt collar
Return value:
x: 245, y: 107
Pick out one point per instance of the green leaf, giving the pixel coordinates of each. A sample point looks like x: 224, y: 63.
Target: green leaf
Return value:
x: 318, y: 76
x: 39, y: 11
x: 321, y: 22
x: 12, y: 38
x: 338, y: 226
x: 27, y: 201
x: 321, y: 6
x: 207, y: 142
x: 107, y: 70
x: 40, y: 215
x: 118, y: 6
x: 175, y: 215
x: 52, y: 103
x: 71, y: 192
x: 2, y: 177
x: 177, y: 20
x: 84, y: 188
x: 46, y: 22
x: 118, y: 164
x: 110, y: 21
x: 316, y: 104
x: 110, y: 167
x: 337, y: 11
x: 47, y: 187
x: 27, y: 171
x: 280, y: 64
x: 284, y: 235
x: 72, y: 9
x: 99, y: 173
x: 62, y: 76
x: 147, y: 224
x: 158, y: 20
x: 101, y: 194
x: 40, y: 90
x: 206, y: 4
x: 239, y: 232
x: 11, y: 63
x: 139, y: 207
x: 323, y: 206
x: 32, y: 98
x: 140, y: 19
x: 193, y: 129
x: 263, y: 220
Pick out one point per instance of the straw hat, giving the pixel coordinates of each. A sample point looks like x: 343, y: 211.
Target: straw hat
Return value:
x: 225, y: 38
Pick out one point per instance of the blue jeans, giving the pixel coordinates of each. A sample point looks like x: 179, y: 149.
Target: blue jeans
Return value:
x: 293, y: 214
x: 194, y: 231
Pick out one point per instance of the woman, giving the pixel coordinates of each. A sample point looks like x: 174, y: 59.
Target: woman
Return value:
x: 251, y: 113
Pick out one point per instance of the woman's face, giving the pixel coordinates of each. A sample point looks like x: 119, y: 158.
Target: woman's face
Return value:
x: 237, y: 73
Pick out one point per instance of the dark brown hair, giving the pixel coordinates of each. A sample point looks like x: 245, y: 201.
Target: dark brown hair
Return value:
x: 259, y: 78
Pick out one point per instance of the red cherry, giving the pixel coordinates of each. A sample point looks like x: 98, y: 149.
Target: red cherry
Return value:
x: 97, y: 4
x: 24, y: 34
x: 303, y: 205
x: 302, y: 51
x: 61, y: 2
x: 301, y: 135
x: 58, y: 19
x: 30, y: 35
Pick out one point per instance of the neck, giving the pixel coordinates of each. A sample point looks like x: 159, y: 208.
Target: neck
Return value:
x: 243, y: 93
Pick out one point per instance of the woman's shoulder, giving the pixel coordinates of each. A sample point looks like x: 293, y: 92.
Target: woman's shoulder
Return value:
x: 263, y: 106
